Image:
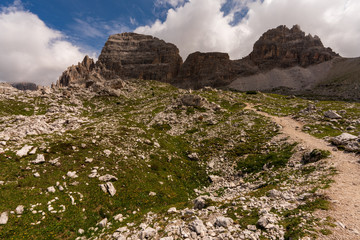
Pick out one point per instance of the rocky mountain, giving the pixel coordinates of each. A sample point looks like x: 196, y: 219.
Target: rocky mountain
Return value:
x: 283, y: 60
x: 132, y: 55
x: 282, y: 47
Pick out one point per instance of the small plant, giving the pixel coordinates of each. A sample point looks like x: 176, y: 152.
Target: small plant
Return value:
x: 315, y: 156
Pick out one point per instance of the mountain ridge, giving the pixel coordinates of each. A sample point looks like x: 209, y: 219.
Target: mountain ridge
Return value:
x: 283, y: 60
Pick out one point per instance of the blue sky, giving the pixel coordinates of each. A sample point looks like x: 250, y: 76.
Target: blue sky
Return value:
x: 40, y: 38
x: 88, y: 23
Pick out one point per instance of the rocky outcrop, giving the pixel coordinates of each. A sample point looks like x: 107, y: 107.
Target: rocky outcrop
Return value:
x: 205, y: 69
x: 25, y: 86
x: 280, y: 47
x: 212, y: 69
x: 283, y: 47
x: 132, y: 55
x: 81, y: 73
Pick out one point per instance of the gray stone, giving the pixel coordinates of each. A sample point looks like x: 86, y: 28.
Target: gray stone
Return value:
x: 103, y: 223
x: 108, y: 188
x: 51, y: 189
x: 23, y: 151
x: 39, y: 159
x: 71, y: 174
x: 148, y: 233
x: 4, y: 218
x: 192, y: 100
x: 107, y: 178
x: 198, y: 227
x: 223, y: 222
x: 332, y: 114
x: 19, y: 209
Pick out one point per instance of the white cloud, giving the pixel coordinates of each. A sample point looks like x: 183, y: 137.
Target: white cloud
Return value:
x: 200, y: 25
x: 31, y: 51
x: 173, y: 3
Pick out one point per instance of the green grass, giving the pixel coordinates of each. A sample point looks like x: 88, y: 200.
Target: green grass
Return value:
x: 255, y: 162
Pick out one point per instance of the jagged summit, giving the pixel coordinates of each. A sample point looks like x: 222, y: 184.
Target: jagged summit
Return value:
x: 284, y: 47
x: 132, y: 55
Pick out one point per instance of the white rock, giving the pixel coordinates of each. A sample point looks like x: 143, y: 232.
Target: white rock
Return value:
x: 81, y: 231
x: 55, y: 162
x: 216, y: 179
x: 108, y: 188
x: 51, y: 189
x: 200, y: 202
x: 152, y: 194
x: 19, y: 209
x: 39, y: 159
x: 111, y: 189
x: 223, y: 222
x: 172, y: 210
x: 2, y: 183
x: 36, y: 175
x: 148, y: 233
x: 107, y: 178
x: 33, y: 151
x: 332, y: 114
x: 344, y: 137
x: 107, y: 152
x: 23, y: 151
x: 88, y: 160
x: 193, y: 156
x: 118, y: 217
x: 103, y: 223
x: 198, y: 227
x: 167, y: 238
x: 4, y: 218
x: 71, y: 174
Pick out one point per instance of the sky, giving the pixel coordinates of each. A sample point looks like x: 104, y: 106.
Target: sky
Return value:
x: 39, y: 39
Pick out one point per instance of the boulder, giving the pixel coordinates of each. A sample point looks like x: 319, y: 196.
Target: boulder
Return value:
x: 347, y: 141
x: 103, y: 223
x: 107, y: 178
x: 223, y: 222
x: 4, y: 218
x: 332, y: 114
x: 198, y: 226
x: 148, y: 233
x: 191, y: 100
x: 39, y: 159
x: 23, y: 151
x: 108, y: 188
x: 19, y: 209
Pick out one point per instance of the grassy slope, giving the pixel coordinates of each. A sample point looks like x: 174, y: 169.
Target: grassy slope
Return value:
x: 122, y: 125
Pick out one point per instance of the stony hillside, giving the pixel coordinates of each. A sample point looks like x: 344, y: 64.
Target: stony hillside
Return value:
x: 149, y: 161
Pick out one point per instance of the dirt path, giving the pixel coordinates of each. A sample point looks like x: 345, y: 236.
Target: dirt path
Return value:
x: 344, y: 193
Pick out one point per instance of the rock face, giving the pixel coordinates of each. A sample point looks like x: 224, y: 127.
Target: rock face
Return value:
x: 132, y: 55
x: 280, y: 47
x: 283, y: 47
x: 206, y: 69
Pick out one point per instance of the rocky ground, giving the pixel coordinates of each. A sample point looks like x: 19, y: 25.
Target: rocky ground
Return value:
x: 155, y: 162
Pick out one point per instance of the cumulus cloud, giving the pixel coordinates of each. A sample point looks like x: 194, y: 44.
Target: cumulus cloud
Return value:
x: 203, y: 25
x: 31, y: 51
x: 173, y: 3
